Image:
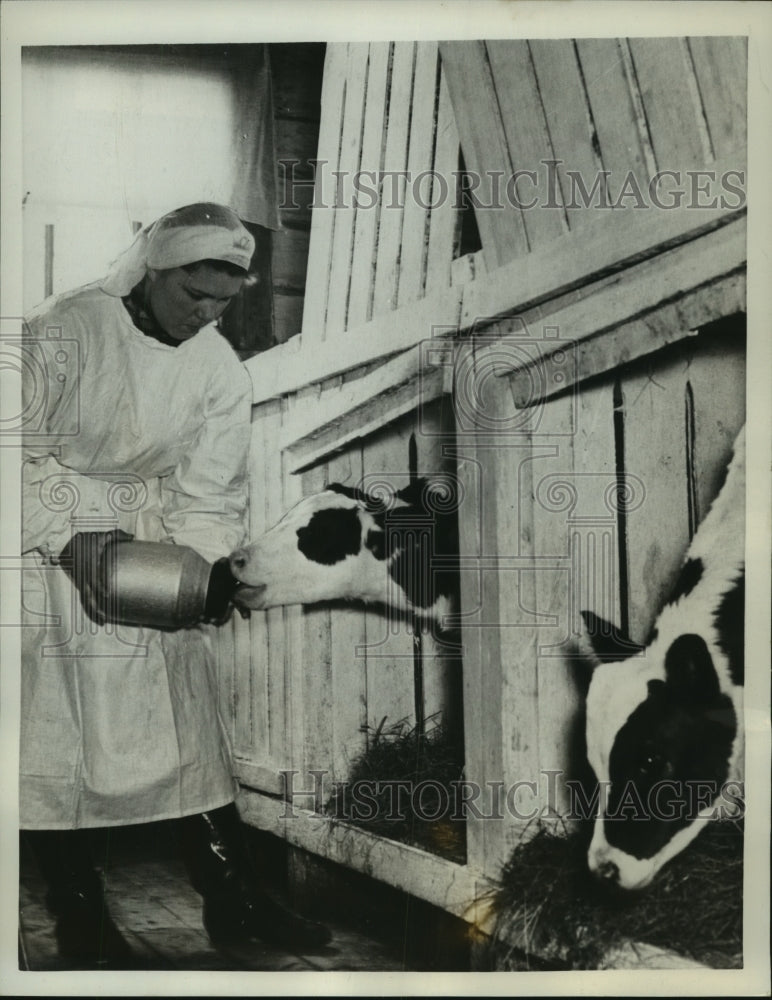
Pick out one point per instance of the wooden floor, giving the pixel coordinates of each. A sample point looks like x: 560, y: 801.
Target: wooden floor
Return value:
x: 159, y: 914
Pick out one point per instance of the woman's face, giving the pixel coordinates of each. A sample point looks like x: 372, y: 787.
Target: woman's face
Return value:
x: 184, y: 301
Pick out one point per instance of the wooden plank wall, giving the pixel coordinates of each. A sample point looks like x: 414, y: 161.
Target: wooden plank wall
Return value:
x: 549, y: 516
x: 541, y: 536
x: 345, y: 671
x: 385, y: 110
x: 617, y: 108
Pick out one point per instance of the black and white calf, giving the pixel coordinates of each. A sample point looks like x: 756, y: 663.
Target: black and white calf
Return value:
x: 399, y: 550
x: 664, y: 721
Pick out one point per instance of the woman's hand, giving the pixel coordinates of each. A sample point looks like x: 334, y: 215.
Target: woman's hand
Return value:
x: 80, y: 559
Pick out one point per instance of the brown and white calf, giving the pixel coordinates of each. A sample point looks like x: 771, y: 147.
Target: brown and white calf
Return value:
x: 400, y: 551
x: 664, y: 721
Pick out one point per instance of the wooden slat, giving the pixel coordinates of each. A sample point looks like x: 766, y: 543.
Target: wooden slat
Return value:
x: 484, y: 145
x: 673, y: 112
x: 536, y: 278
x: 387, y: 272
x: 609, y: 244
x: 322, y: 217
x: 348, y: 684
x: 297, y: 363
x: 444, y: 217
x: 416, y: 217
x: 646, y: 289
x: 314, y: 649
x: 458, y: 889
x: 441, y: 669
x: 389, y: 649
x: 716, y: 375
x: 569, y: 121
x: 518, y: 96
x: 658, y: 530
x: 366, y: 232
x: 552, y: 543
x: 348, y: 165
x: 363, y: 407
x: 721, y: 68
x: 608, y: 88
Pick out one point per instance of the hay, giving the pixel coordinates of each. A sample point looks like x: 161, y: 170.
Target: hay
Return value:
x: 564, y: 919
x: 431, y: 760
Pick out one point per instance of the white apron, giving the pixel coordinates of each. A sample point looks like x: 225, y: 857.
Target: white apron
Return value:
x: 120, y: 725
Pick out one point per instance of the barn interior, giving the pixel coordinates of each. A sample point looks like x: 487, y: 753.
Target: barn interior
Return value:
x: 505, y: 298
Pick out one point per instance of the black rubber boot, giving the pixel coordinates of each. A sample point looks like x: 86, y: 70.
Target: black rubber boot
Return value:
x: 236, y: 909
x: 85, y: 933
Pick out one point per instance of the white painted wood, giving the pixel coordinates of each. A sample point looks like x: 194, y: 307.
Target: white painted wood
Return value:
x: 569, y: 123
x: 484, y: 142
x: 721, y: 68
x: 389, y: 646
x: 609, y: 89
x: 322, y: 215
x: 340, y: 263
x: 673, y: 112
x: 520, y: 106
x: 716, y: 374
x: 415, y: 224
x: 658, y: 528
x: 392, y: 201
x: 456, y: 888
x: 289, y: 367
x: 536, y: 279
x: 610, y: 243
x: 444, y: 217
x: 631, y: 296
x: 366, y: 231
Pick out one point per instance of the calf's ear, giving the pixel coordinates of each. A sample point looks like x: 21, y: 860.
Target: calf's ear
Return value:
x: 608, y: 643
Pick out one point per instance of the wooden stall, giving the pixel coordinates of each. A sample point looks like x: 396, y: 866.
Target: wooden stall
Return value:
x: 581, y: 376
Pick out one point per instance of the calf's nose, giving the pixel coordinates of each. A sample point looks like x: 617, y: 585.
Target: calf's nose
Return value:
x: 238, y: 560
x: 609, y: 871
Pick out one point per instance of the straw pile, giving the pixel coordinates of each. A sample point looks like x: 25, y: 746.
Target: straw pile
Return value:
x: 562, y: 918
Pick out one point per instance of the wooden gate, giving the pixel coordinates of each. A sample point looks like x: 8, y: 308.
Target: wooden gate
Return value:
x: 582, y: 377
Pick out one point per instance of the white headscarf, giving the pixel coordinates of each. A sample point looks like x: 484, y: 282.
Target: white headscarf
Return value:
x: 204, y: 231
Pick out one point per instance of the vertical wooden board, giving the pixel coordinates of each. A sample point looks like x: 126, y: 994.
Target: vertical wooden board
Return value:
x: 323, y: 214
x: 721, y: 68
x: 669, y: 94
x: 655, y: 452
x: 551, y: 542
x: 255, y: 670
x: 595, y: 459
x: 622, y: 147
x: 313, y: 656
x: 477, y: 469
x: 392, y: 190
x: 366, y: 230
x: 444, y: 216
x: 571, y: 505
x: 348, y: 165
x: 389, y: 653
x: 484, y: 145
x: 717, y: 379
x: 519, y: 99
x: 222, y: 641
x: 442, y: 681
x: 416, y: 219
x: 348, y: 687
x: 511, y: 610
x: 569, y: 122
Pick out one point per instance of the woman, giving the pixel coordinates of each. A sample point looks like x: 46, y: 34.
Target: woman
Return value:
x: 142, y: 422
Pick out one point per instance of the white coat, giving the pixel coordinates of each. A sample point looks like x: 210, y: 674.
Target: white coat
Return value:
x: 120, y: 725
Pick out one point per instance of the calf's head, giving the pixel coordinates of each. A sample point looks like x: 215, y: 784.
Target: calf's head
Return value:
x: 661, y: 735
x: 342, y: 543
